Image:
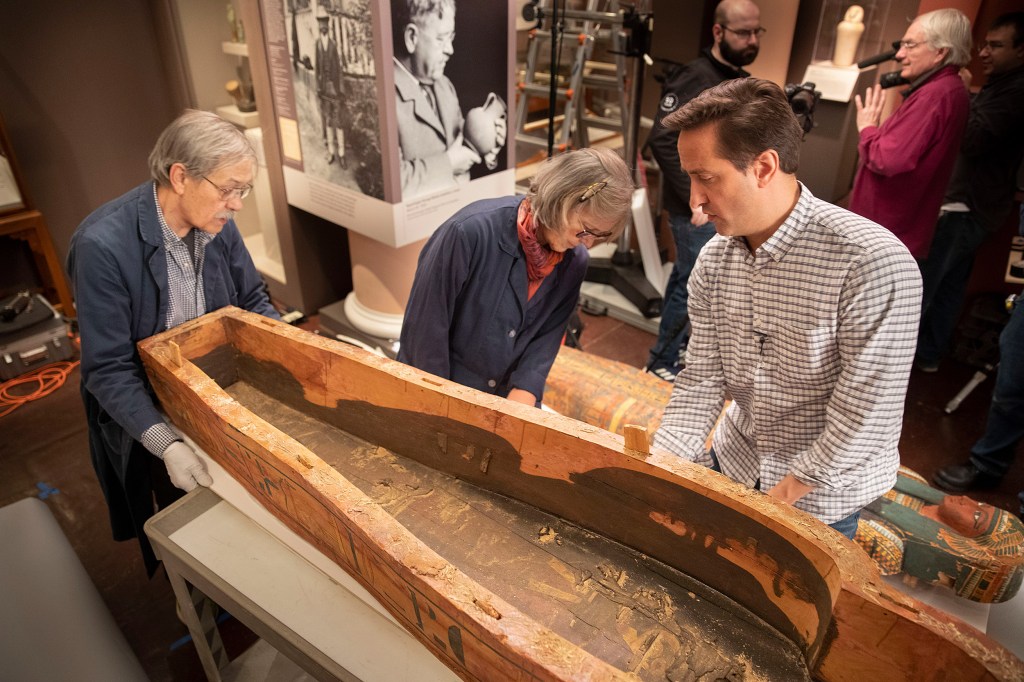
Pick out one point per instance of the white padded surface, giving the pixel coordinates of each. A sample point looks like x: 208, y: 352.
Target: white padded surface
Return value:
x: 54, y: 625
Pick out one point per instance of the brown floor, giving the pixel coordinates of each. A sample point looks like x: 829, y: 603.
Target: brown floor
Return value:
x: 43, y: 452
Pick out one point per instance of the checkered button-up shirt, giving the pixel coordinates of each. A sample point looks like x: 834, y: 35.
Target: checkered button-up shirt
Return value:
x: 812, y: 336
x: 186, y: 300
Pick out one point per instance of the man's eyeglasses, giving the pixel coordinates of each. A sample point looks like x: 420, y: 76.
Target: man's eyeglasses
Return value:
x: 907, y: 44
x: 746, y: 33
x: 228, y: 193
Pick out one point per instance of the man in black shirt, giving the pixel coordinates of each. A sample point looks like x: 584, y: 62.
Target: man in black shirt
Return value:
x: 737, y: 35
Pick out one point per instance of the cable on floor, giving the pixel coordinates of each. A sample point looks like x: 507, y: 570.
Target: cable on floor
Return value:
x: 46, y: 380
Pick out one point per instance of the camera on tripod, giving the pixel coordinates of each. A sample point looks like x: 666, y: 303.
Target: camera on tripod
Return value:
x: 803, y: 98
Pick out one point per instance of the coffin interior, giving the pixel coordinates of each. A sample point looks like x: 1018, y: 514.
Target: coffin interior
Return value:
x: 621, y: 605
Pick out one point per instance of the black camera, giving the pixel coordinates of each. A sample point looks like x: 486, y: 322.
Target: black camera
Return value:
x: 892, y: 79
x: 803, y: 98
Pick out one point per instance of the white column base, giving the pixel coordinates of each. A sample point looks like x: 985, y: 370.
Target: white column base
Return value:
x: 372, y: 322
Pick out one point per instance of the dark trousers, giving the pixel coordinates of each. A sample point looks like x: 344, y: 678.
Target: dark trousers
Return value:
x: 674, y: 328
x: 944, y: 275
x: 996, y: 450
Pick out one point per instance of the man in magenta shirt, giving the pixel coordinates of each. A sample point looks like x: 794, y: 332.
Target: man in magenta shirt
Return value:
x: 905, y: 163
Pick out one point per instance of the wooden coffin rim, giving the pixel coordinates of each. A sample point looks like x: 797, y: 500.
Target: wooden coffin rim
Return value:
x: 838, y: 626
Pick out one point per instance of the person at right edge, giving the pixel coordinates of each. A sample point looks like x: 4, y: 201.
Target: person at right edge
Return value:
x: 994, y: 453
x: 906, y: 162
x: 737, y: 38
x: 980, y: 195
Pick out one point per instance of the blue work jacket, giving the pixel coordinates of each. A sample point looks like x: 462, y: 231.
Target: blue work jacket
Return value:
x: 118, y: 267
x: 468, y: 318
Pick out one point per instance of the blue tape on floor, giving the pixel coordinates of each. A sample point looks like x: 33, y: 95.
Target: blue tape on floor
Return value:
x: 178, y: 643
x: 45, y: 490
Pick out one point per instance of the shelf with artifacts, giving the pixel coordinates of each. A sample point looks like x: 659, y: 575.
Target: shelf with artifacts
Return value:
x: 216, y: 56
x: 256, y: 221
x: 242, y: 112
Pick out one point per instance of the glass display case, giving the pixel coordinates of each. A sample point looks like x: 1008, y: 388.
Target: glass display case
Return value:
x: 848, y: 32
x: 831, y: 35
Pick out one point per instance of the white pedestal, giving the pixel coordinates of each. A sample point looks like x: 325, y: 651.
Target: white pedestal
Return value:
x: 836, y: 83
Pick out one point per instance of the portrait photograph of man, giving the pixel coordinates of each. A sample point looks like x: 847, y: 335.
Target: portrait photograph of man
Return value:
x: 449, y: 99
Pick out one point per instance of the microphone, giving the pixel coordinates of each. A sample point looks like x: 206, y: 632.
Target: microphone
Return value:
x: 879, y: 58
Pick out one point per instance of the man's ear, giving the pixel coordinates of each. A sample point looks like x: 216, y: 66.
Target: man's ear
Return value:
x: 412, y: 37
x: 765, y: 166
x: 177, y: 174
x: 717, y: 33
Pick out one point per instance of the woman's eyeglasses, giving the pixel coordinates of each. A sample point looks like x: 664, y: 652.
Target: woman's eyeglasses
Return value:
x: 596, y: 236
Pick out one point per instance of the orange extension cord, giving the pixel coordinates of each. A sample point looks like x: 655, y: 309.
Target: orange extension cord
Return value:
x: 45, y: 380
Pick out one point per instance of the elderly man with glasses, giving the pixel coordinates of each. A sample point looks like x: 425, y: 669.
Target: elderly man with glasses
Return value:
x: 737, y: 39
x: 906, y: 162
x: 164, y: 253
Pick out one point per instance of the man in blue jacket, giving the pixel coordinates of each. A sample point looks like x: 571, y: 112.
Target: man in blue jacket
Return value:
x: 166, y: 252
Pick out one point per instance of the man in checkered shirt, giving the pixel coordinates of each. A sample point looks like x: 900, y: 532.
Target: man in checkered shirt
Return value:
x: 803, y: 313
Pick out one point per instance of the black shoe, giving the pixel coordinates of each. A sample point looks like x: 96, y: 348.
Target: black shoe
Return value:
x: 959, y: 478
x: 343, y: 161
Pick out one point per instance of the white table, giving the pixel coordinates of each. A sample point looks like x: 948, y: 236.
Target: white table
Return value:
x: 327, y: 624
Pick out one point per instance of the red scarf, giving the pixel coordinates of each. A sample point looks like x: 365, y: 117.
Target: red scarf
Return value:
x: 540, y: 260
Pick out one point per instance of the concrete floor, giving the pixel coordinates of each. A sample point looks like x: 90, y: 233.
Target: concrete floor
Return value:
x: 43, y: 452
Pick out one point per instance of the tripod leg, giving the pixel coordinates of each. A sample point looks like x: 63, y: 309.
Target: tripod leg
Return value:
x: 978, y: 377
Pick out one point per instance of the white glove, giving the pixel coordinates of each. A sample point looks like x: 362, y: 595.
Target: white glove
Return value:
x: 184, y: 467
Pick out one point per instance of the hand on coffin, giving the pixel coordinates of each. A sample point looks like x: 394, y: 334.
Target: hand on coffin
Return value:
x: 184, y: 467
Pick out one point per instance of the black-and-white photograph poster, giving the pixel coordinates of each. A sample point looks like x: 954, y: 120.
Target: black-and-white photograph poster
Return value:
x: 451, y: 76
x: 389, y: 139
x: 334, y: 91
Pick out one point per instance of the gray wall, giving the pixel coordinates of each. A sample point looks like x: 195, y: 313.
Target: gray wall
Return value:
x: 84, y: 93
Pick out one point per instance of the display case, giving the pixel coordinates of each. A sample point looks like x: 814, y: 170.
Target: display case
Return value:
x: 848, y: 32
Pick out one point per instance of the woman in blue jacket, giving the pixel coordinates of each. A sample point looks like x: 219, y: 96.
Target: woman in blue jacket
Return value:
x: 497, y: 282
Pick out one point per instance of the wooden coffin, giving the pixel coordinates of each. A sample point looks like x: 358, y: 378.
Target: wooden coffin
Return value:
x: 519, y: 544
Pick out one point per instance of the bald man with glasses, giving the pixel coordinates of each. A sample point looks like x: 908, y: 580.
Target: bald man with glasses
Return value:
x: 737, y: 36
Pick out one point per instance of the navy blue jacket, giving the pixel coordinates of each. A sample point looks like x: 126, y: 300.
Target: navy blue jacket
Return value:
x: 118, y: 268
x: 468, y: 319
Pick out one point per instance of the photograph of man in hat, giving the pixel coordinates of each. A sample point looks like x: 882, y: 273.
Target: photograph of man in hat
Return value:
x: 328, y: 88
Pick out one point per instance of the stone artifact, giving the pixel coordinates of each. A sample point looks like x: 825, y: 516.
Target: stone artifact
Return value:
x: 848, y: 34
